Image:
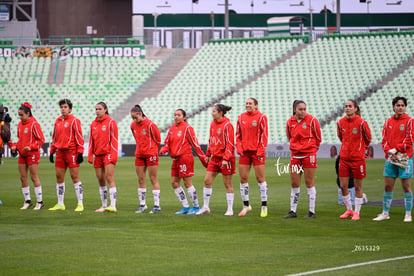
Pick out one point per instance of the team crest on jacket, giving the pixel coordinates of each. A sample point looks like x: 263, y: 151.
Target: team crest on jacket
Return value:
x: 402, y: 127
x: 144, y: 132
x: 354, y: 130
x: 305, y: 126
x: 26, y: 130
x: 179, y: 133
x: 219, y: 131
x: 103, y: 128
x: 254, y: 123
x: 66, y: 124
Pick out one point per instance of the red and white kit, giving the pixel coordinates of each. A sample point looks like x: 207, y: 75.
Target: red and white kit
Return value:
x: 221, y: 146
x: 29, y: 134
x: 103, y: 141
x: 148, y: 139
x: 67, y: 140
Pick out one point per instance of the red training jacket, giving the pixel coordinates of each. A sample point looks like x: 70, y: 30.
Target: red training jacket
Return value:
x: 355, y: 135
x: 147, y: 137
x: 304, y: 136
x: 221, y: 142
x: 103, y: 138
x: 398, y: 133
x: 29, y: 134
x: 179, y: 140
x: 67, y: 135
x: 252, y: 133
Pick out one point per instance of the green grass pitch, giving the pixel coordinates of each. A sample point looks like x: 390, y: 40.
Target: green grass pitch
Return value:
x: 126, y: 243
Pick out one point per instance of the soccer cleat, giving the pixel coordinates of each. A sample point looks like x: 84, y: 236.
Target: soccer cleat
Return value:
x: 79, y: 208
x: 364, y: 199
x: 310, y: 215
x: 381, y: 217
x: 203, y: 211
x: 355, y: 216
x: 141, y: 209
x: 229, y: 213
x: 263, y: 212
x: 244, y: 211
x: 58, y: 207
x: 155, y: 210
x: 291, y: 214
x: 193, y: 211
x: 347, y: 214
x: 26, y: 205
x: 39, y: 205
x: 110, y: 209
x: 183, y: 211
x: 100, y: 210
x: 408, y: 218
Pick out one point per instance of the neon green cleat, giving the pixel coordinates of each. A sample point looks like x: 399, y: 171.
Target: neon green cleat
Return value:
x: 79, y: 208
x: 58, y: 207
x: 110, y: 209
x: 263, y: 212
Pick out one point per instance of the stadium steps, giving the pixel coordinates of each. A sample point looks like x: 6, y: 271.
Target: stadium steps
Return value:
x: 374, y: 88
x: 251, y: 79
x: 166, y: 72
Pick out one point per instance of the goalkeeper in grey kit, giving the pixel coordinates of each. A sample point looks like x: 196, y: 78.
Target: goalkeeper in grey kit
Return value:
x: 397, y: 143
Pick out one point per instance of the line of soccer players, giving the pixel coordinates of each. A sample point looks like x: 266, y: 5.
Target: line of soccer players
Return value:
x: 302, y: 130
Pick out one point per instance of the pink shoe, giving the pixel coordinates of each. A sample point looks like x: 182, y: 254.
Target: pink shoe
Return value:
x: 347, y: 214
x: 355, y: 216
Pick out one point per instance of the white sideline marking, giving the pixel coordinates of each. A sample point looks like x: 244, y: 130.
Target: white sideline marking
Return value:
x: 351, y: 265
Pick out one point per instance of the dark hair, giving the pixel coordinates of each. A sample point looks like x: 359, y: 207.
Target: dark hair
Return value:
x: 223, y: 108
x: 66, y: 101
x: 26, y: 110
x: 358, y: 111
x: 398, y: 98
x: 183, y: 112
x: 137, y: 108
x: 254, y: 100
x: 295, y: 104
x: 104, y: 106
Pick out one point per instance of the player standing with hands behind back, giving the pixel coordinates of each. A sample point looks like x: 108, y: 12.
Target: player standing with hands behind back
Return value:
x: 103, y: 145
x: 355, y: 135
x: 67, y: 141
x: 251, y: 143
x: 304, y: 135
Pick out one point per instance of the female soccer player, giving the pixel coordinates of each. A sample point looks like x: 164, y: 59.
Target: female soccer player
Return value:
x: 67, y: 141
x: 148, y: 139
x: 397, y: 142
x: 355, y: 135
x: 304, y: 135
x: 251, y: 143
x: 223, y: 160
x: 30, y: 140
x: 178, y: 142
x: 103, y: 144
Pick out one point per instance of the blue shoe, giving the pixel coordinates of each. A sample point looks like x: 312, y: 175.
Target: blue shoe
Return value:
x: 183, y: 211
x: 193, y: 211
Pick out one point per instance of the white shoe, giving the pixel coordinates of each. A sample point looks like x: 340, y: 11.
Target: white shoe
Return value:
x: 39, y: 205
x: 203, y: 211
x: 229, y: 213
x: 100, y: 210
x: 364, y: 199
x: 26, y: 205
x: 408, y: 218
x: 245, y: 210
x: 381, y: 217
